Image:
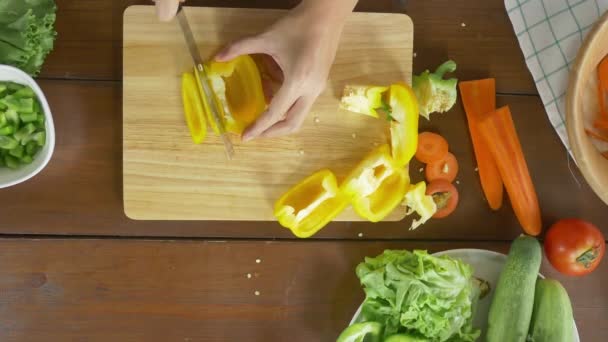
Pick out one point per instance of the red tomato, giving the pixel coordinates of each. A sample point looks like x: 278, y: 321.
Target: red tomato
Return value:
x: 445, y: 196
x: 574, y: 247
x: 447, y: 169
x: 431, y: 147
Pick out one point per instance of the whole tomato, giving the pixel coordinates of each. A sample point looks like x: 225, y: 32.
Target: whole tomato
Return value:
x: 574, y: 247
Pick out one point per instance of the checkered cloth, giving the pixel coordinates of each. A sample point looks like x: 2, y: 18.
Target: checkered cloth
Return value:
x: 550, y: 33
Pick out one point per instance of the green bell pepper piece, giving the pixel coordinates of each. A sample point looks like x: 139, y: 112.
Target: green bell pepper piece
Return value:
x: 3, y: 120
x: 17, y: 152
x: 25, y: 92
x: 7, y: 130
x: 28, y: 117
x: 39, y: 138
x: 12, y: 116
x: 31, y: 148
x: 11, y: 162
x: 360, y: 332
x: 26, y: 159
x: 24, y: 134
x: 404, y: 338
x: 7, y: 143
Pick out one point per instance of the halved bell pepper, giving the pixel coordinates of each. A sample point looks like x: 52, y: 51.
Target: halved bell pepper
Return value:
x: 377, y: 185
x: 363, y: 99
x: 310, y: 204
x: 404, y: 123
x: 237, y: 87
x: 365, y: 331
x: 193, y: 108
x: 418, y: 201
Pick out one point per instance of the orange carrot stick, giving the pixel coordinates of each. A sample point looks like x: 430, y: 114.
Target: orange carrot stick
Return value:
x: 600, y: 124
x: 596, y: 136
x: 499, y: 134
x: 605, y: 154
x: 478, y: 99
x: 602, y: 87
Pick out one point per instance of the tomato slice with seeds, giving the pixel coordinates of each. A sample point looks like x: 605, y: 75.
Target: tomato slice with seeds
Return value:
x: 445, y: 196
x: 431, y: 147
x: 446, y: 169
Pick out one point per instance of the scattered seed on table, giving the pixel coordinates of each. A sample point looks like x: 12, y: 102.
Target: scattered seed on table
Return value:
x: 257, y: 293
x: 376, y: 144
x: 457, y: 182
x: 257, y: 261
x: 301, y: 152
x: 421, y: 169
x: 476, y: 169
x: 414, y: 55
x: 360, y: 235
x: 317, y: 120
x: 248, y: 275
x: 463, y: 25
x: 354, y: 135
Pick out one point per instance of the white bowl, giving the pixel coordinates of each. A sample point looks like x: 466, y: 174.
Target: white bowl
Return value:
x: 10, y: 177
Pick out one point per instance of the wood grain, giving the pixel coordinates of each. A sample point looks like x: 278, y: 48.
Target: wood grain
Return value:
x: 90, y: 37
x: 80, y: 191
x: 130, y: 290
x: 167, y: 177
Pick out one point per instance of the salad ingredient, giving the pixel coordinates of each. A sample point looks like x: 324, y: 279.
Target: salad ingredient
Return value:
x: 512, y: 304
x: 22, y: 128
x: 27, y: 33
x: 434, y: 93
x: 404, y: 123
x: 311, y: 204
x: 444, y: 195
x: 377, y: 185
x: 602, y: 73
x: 597, y: 136
x: 552, y: 319
x: 479, y: 99
x: 238, y: 91
x: 432, y: 147
x: 574, y: 247
x: 500, y: 136
x: 363, y: 99
x: 193, y: 109
x: 362, y: 332
x: 418, y: 201
x: 446, y: 169
x: 427, y: 296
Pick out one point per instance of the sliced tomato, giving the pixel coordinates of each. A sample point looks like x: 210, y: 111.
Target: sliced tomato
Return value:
x: 446, y: 169
x: 574, y: 247
x: 431, y: 147
x: 444, y: 195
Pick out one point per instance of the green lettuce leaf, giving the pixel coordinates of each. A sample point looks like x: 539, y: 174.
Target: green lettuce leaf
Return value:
x: 419, y: 294
x: 27, y: 33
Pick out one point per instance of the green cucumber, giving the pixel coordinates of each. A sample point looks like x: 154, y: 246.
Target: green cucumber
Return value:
x: 513, y: 301
x: 552, y: 319
x: 404, y: 338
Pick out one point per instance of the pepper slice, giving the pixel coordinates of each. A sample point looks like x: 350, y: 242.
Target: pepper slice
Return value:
x: 377, y: 185
x: 238, y: 91
x: 363, y: 99
x: 404, y: 123
x: 418, y: 201
x: 310, y: 204
x: 193, y: 108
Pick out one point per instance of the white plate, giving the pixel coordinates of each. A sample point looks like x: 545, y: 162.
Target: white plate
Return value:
x: 487, y: 266
x: 10, y: 177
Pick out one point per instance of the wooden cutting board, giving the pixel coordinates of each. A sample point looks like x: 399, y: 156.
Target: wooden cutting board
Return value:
x: 167, y: 177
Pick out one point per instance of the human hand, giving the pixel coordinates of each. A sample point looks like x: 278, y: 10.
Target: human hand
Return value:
x: 303, y: 45
x: 166, y: 9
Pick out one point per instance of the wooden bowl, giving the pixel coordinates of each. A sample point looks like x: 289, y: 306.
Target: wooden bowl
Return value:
x: 583, y: 107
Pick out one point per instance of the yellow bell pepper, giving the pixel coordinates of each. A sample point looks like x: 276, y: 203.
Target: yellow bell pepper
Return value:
x: 310, y: 204
x: 193, y: 108
x: 418, y: 201
x: 363, y: 99
x: 237, y: 87
x: 404, y: 123
x: 377, y: 185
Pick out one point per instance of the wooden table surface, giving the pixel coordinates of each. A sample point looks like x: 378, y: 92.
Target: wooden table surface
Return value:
x: 74, y: 268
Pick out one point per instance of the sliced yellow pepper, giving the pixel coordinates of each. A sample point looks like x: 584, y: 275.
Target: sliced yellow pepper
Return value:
x: 377, y: 185
x: 310, y: 204
x: 404, y: 124
x: 363, y: 99
x: 237, y: 87
x: 418, y: 201
x: 193, y: 108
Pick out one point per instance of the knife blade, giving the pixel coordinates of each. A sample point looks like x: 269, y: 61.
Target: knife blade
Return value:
x: 204, y: 80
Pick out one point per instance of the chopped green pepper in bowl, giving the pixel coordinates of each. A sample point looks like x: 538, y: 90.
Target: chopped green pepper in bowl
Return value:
x: 27, y: 135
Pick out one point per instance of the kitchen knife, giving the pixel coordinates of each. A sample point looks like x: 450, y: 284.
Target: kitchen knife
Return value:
x: 204, y: 80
